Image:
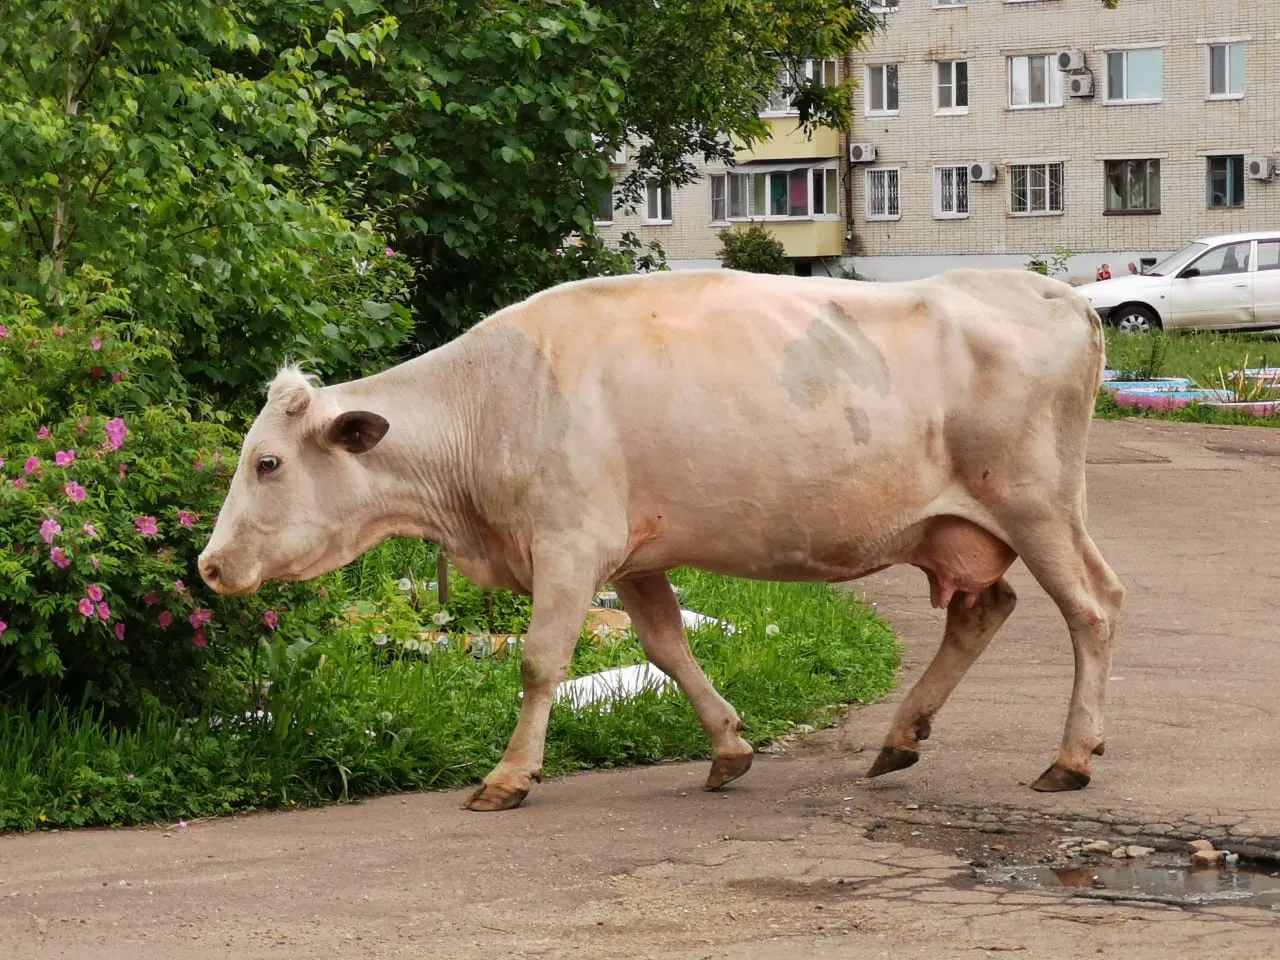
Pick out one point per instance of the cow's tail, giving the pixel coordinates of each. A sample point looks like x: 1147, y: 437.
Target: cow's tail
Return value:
x: 1100, y: 342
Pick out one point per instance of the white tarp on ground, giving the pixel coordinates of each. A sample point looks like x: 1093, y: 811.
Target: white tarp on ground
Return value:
x: 620, y: 683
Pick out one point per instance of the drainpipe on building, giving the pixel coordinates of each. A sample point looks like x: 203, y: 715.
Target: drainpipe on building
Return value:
x: 846, y: 70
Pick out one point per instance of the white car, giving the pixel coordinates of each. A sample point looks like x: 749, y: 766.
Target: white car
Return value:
x: 1228, y: 282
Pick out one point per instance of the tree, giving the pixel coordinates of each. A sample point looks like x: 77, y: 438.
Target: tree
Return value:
x: 124, y: 147
x: 754, y: 249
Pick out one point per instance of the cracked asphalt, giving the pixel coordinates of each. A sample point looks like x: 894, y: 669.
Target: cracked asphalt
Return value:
x: 800, y: 859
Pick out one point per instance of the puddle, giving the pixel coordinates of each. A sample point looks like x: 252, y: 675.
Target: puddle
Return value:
x: 1244, y: 884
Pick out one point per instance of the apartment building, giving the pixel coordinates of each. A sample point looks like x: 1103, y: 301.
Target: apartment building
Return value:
x: 987, y: 131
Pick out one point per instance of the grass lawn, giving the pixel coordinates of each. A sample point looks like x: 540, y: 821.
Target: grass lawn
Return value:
x: 358, y: 713
x: 1207, y: 358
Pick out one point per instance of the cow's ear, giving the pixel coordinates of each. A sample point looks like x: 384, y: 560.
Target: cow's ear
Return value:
x: 356, y: 431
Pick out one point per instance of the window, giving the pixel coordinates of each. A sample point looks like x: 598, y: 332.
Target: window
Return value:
x: 1133, y: 186
x: 801, y: 192
x: 1034, y: 81
x: 1268, y: 255
x: 953, y: 86
x: 882, y: 88
x: 823, y: 72
x: 1135, y: 76
x: 1226, y: 70
x: 884, y: 6
x: 882, y: 194
x: 601, y: 203
x: 950, y: 192
x: 658, y: 203
x: 1035, y: 188
x: 1222, y: 261
x: 1225, y: 176
x: 950, y: 3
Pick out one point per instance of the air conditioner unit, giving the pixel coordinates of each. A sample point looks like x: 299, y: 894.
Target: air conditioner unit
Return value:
x: 1080, y: 86
x: 982, y: 172
x: 1259, y: 168
x: 1070, y: 60
x: 862, y: 152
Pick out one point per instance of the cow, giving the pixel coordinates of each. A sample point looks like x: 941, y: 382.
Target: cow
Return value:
x: 769, y: 427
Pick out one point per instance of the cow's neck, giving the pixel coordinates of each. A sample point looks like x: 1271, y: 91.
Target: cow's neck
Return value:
x: 425, y: 464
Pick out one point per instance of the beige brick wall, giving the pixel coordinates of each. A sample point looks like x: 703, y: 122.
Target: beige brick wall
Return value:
x: 1180, y: 130
x: 690, y: 235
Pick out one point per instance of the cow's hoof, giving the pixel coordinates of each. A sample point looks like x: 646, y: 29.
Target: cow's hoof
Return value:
x: 1100, y: 749
x: 1059, y: 779
x: 891, y: 759
x: 489, y: 797
x: 727, y: 768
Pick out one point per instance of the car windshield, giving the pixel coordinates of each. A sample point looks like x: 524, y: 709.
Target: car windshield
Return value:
x: 1173, y: 262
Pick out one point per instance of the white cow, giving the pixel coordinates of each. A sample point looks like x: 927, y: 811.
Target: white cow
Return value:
x: 770, y: 427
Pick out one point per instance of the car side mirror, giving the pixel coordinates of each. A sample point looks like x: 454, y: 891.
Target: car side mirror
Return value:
x: 1189, y: 272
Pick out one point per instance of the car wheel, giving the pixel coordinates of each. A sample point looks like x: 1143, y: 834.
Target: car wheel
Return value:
x: 1135, y: 318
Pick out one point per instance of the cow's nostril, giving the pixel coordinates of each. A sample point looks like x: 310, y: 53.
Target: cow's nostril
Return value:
x: 210, y: 572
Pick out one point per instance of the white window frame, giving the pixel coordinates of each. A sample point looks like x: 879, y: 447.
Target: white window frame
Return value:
x: 896, y: 178
x: 813, y: 69
x: 884, y: 88
x: 1053, y: 81
x: 952, y: 111
x: 1208, y: 64
x: 949, y: 4
x: 830, y: 211
x: 1126, y: 101
x: 1062, y: 188
x: 885, y: 6
x: 938, y: 172
x: 1127, y: 211
x: 1208, y: 182
x: 657, y: 191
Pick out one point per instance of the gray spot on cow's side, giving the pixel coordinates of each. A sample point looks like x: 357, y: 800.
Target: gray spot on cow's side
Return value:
x: 834, y: 348
x: 860, y: 424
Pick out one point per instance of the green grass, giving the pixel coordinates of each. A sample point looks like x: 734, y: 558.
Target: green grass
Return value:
x: 1203, y: 357
x: 352, y: 719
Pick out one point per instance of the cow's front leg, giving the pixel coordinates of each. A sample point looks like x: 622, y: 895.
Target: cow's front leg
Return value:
x: 561, y: 598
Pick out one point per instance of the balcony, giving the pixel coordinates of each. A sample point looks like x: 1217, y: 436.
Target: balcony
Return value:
x: 789, y: 142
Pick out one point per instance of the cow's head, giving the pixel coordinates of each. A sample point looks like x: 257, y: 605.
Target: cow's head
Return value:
x: 301, y: 495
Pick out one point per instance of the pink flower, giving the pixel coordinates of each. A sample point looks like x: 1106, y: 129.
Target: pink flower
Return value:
x: 84, y: 422
x: 1, y: 461
x: 165, y: 618
x: 49, y: 528
x: 4, y: 332
x: 31, y: 464
x: 117, y: 377
x: 3, y: 626
x: 198, y: 638
x: 179, y: 587
x: 96, y: 562
x: 42, y: 433
x: 128, y: 776
x: 120, y: 632
x: 95, y: 344
x: 59, y: 558
x: 104, y: 611
x: 94, y: 592
x: 86, y: 607
x: 19, y: 483
x: 271, y: 619
x: 186, y: 518
x: 75, y: 493
x: 64, y: 458
x: 389, y: 252
x: 151, y: 599
x: 199, y: 617
x: 90, y: 530
x: 124, y: 468
x: 116, y: 432
x: 96, y: 373
x: 146, y: 526
x: 59, y: 332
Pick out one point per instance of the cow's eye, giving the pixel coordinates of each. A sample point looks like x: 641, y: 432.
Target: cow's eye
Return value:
x: 268, y: 464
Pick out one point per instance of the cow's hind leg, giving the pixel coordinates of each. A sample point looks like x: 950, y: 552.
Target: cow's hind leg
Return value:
x: 562, y: 593
x: 655, y: 614
x: 1065, y: 561
x: 969, y: 630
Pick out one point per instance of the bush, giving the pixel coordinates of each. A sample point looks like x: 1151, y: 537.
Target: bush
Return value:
x: 109, y: 486
x: 754, y: 249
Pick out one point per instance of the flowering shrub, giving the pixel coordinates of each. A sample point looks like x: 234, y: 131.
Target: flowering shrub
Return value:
x: 107, y: 495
